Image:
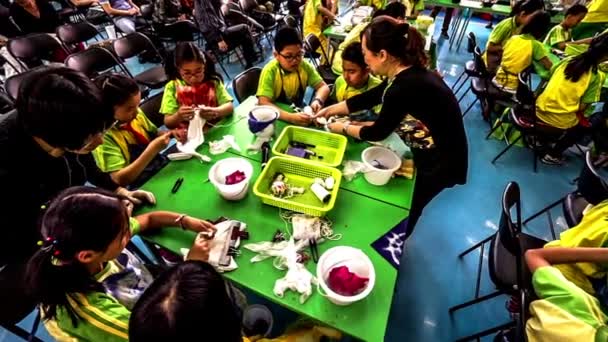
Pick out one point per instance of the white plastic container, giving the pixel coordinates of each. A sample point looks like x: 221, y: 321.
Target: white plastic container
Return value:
x: 356, y: 261
x: 387, y: 158
x: 225, y: 167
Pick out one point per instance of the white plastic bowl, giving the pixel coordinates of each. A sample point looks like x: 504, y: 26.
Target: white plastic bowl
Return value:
x: 384, y: 156
x: 356, y: 261
x: 225, y: 167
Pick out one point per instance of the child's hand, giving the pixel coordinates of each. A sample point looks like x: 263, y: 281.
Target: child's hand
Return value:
x: 160, y: 142
x: 185, y: 113
x: 198, y: 225
x: 199, y: 250
x: 208, y: 113
x: 222, y: 46
x: 300, y: 119
x: 180, y: 134
x: 316, y: 106
x: 132, y: 11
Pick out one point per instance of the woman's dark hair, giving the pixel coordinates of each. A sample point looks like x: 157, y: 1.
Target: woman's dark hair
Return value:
x: 79, y: 218
x: 187, y: 52
x: 527, y: 7
x: 399, y: 39
x: 588, y: 60
x: 188, y: 300
x: 538, y: 25
x: 62, y: 106
x: 353, y: 54
x: 395, y: 10
x: 576, y: 10
x: 116, y: 89
x: 285, y: 37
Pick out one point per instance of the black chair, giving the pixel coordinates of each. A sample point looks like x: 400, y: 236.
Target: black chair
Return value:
x: 135, y: 44
x: 73, y: 34
x: 506, y: 265
x: 178, y: 31
x: 268, y: 21
x: 573, y: 206
x: 469, y: 67
x: 311, y: 45
x: 151, y: 107
x: 12, y: 84
x: 6, y: 103
x: 292, y: 22
x: 245, y: 84
x: 95, y: 61
x: 31, y: 50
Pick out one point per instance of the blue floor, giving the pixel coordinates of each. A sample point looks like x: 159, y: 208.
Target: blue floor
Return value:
x: 431, y: 277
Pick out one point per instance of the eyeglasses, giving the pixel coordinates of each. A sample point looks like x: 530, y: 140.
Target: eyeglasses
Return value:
x: 188, y: 74
x: 290, y: 58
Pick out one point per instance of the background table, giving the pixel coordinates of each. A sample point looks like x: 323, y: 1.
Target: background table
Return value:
x: 358, y: 216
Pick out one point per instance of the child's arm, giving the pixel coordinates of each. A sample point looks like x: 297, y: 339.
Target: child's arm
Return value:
x: 184, y: 113
x: 321, y: 95
x: 294, y: 118
x: 133, y: 5
x: 327, y: 12
x: 546, y: 63
x: 214, y: 113
x: 536, y: 258
x: 131, y: 172
x: 162, y: 219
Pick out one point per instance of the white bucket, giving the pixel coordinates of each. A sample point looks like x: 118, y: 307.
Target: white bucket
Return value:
x: 389, y: 159
x: 225, y: 167
x: 356, y: 261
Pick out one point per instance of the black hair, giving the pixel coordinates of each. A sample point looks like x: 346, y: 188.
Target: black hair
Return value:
x: 285, y: 37
x: 116, y: 89
x: 400, y: 40
x: 79, y: 218
x: 188, y: 300
x: 395, y: 10
x: 527, y: 7
x: 186, y: 52
x: 588, y: 60
x: 576, y: 10
x: 62, y: 106
x: 353, y: 53
x: 538, y: 25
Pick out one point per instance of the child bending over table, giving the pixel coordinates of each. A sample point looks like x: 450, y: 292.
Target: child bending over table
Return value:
x: 521, y: 50
x: 521, y: 13
x: 284, y: 79
x: 574, y: 85
x: 194, y: 86
x: 318, y: 15
x: 133, y: 143
x: 561, y: 34
x: 355, y: 80
x: 83, y: 277
x: 192, y: 300
x: 563, y: 311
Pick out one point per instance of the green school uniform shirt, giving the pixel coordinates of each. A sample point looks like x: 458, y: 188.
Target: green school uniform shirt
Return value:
x: 271, y: 83
x: 378, y: 4
x: 342, y: 91
x: 113, y: 154
x: 561, y: 99
x: 104, y: 316
x: 518, y: 54
x: 563, y: 312
x: 503, y: 31
x: 598, y: 12
x: 170, y: 105
x: 558, y: 34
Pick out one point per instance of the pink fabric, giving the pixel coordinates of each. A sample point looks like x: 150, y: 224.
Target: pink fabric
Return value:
x: 344, y: 282
x: 235, y: 177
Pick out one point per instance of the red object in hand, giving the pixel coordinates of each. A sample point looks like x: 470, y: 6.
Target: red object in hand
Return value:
x: 344, y: 282
x: 235, y: 177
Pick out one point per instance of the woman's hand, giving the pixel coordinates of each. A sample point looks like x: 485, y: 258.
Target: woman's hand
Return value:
x: 185, y: 113
x: 336, y: 127
x: 362, y: 123
x: 333, y: 110
x: 198, y: 225
x: 300, y: 119
x: 200, y: 249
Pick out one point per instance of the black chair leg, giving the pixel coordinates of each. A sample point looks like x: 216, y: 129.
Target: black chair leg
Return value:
x: 32, y: 337
x: 464, y: 94
x: 469, y: 107
x: 543, y: 210
x: 475, y: 246
x: 497, y: 125
x: 457, y: 81
x: 551, y: 224
x: 462, y: 85
x: 506, y: 149
x: 486, y: 332
x: 475, y: 301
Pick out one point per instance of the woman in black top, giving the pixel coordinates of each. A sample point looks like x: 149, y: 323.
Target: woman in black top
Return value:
x: 33, y: 16
x: 416, y: 104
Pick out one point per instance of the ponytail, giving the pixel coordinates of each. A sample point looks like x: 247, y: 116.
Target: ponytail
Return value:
x: 588, y: 60
x: 398, y: 39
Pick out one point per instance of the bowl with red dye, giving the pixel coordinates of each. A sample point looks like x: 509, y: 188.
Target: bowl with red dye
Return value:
x: 231, y: 177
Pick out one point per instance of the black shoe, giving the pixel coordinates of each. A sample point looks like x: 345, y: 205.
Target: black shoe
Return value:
x: 489, y: 25
x: 444, y: 34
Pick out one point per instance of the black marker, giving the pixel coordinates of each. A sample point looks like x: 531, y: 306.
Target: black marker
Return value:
x: 177, y: 184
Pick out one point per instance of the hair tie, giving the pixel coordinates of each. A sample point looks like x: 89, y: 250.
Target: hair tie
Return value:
x: 49, y: 245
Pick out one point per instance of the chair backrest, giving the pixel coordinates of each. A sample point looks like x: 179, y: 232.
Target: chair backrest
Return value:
x: 147, y: 11
x: 593, y: 180
x: 245, y: 84
x: 76, y: 33
x: 94, y: 61
x: 12, y: 84
x: 151, y: 107
x: 132, y: 45
x: 34, y: 48
x: 291, y: 21
x: 179, y: 31
x: 6, y: 103
x: 248, y: 5
x: 524, y: 94
x: 480, y: 65
x: 509, y: 226
x: 312, y: 44
x: 471, y: 42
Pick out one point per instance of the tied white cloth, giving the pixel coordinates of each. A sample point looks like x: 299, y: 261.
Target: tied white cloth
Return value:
x: 297, y: 278
x: 217, y: 245
x: 195, y: 138
x: 221, y: 146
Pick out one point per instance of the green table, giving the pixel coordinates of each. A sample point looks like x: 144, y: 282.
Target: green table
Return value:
x: 397, y: 194
x: 358, y: 216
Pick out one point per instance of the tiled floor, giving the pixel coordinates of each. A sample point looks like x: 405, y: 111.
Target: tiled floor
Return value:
x: 431, y: 277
